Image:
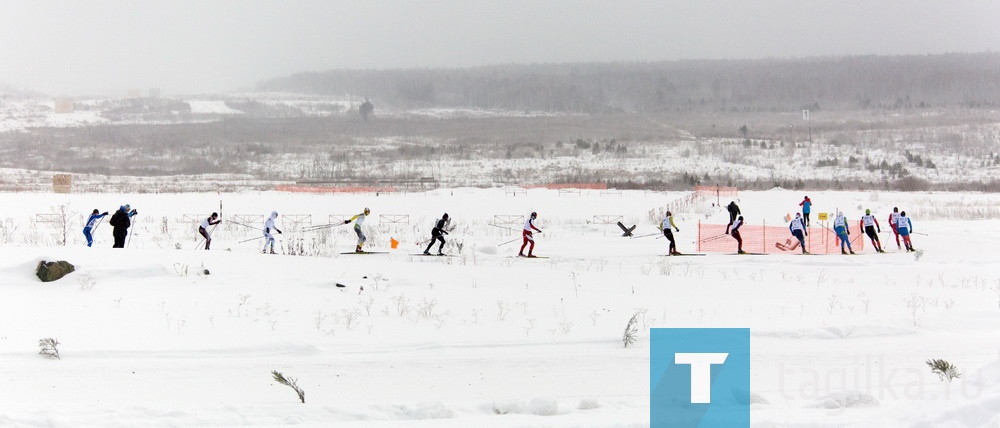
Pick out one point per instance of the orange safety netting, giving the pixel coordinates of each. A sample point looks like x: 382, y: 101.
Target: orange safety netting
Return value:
x: 717, y: 190
x: 762, y: 239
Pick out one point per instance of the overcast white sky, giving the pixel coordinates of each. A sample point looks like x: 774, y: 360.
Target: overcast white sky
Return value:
x: 185, y: 46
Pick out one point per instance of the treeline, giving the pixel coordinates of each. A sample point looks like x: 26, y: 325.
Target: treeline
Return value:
x: 845, y: 83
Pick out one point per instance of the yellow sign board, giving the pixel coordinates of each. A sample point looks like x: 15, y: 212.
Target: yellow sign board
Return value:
x: 823, y: 216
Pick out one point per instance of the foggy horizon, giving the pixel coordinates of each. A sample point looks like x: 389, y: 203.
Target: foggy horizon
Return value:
x: 108, y: 48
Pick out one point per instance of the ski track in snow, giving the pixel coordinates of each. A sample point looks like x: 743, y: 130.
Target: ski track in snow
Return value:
x: 483, y: 338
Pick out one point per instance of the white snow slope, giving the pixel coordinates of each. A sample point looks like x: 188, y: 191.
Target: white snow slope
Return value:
x: 483, y: 339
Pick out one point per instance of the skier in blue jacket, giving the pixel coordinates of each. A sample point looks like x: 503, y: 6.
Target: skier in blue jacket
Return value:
x: 843, y: 233
x: 905, y: 227
x: 91, y: 224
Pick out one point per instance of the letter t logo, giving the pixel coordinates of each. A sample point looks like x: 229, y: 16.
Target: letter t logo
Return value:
x: 701, y: 373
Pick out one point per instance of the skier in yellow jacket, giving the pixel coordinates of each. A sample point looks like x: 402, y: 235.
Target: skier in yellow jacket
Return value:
x: 665, y: 225
x: 358, y: 220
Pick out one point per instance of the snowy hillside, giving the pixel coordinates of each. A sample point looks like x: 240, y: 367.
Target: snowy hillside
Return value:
x: 283, y: 137
x: 162, y: 334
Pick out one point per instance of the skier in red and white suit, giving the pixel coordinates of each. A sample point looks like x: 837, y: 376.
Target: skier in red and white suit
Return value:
x: 894, y: 223
x: 529, y: 226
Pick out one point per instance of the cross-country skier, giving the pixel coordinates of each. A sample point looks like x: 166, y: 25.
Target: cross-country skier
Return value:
x: 905, y: 228
x: 268, y: 227
x: 120, y: 221
x: 358, y: 220
x: 806, y: 205
x: 529, y: 226
x: 798, y: 229
x: 870, y: 224
x: 665, y: 225
x: 894, y: 224
x: 211, y: 220
x: 735, y: 233
x: 734, y: 210
x: 437, y: 234
x: 91, y: 223
x: 843, y: 232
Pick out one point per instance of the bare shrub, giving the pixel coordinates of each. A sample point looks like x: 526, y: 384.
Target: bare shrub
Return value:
x: 290, y: 382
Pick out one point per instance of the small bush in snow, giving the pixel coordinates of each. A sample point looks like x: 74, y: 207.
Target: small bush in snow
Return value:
x: 87, y: 282
x: 631, y: 329
x: 49, y: 348
x: 290, y: 382
x: 944, y: 369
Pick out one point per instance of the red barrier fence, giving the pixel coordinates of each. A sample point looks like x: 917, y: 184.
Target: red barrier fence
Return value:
x: 762, y: 239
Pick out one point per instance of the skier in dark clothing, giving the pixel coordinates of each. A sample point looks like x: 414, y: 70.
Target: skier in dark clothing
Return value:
x: 212, y: 220
x: 734, y: 211
x: 799, y: 231
x: 120, y: 221
x: 870, y: 225
x: 437, y: 234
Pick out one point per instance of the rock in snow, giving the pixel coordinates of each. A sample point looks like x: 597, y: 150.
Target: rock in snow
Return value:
x: 51, y: 271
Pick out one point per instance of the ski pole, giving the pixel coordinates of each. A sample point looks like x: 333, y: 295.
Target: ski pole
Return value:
x: 710, y: 238
x: 316, y: 227
x: 203, y: 240
x: 321, y: 227
x: 251, y: 239
x: 96, y: 225
x: 643, y: 236
x: 220, y: 220
x: 245, y: 225
x: 210, y: 232
x: 508, y: 242
x: 132, y: 232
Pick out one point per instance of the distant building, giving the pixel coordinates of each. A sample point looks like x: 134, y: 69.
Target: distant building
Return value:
x: 64, y: 105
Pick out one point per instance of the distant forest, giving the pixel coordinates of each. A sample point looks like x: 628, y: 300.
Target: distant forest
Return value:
x: 767, y: 85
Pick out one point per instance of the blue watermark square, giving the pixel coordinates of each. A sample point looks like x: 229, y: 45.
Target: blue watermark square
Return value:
x: 699, y: 378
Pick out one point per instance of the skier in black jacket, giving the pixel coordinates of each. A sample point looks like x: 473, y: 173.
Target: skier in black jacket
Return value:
x: 438, y: 234
x: 734, y: 211
x: 120, y: 221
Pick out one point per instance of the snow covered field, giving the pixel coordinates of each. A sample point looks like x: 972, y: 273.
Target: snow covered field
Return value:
x: 484, y: 339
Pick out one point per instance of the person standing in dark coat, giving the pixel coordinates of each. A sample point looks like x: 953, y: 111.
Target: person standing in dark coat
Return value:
x: 121, y: 222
